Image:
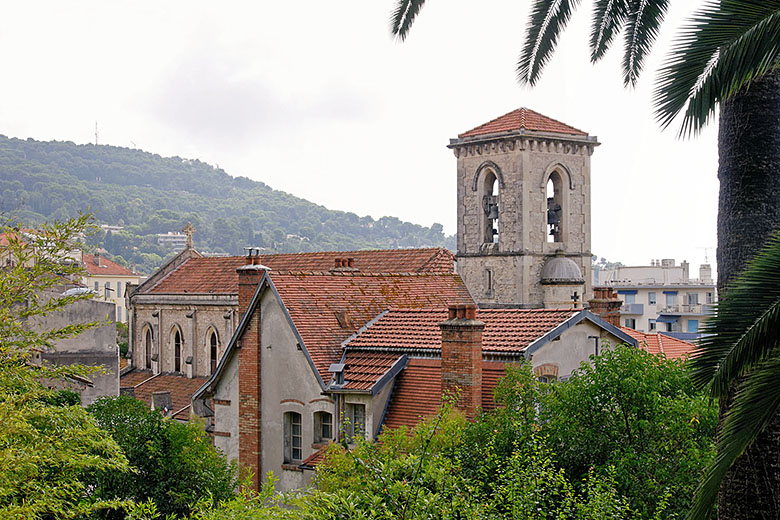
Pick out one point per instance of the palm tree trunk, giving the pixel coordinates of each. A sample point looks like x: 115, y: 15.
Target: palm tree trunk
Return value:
x: 749, y: 210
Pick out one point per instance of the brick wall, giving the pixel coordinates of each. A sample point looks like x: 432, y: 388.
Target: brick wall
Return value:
x: 606, y: 304
x: 461, y: 357
x: 249, y: 394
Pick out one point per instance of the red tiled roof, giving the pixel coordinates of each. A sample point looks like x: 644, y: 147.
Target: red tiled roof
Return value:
x: 218, y: 275
x: 313, y: 460
x: 657, y: 343
x: 417, y: 391
x: 107, y: 267
x: 180, y: 386
x: 523, y: 118
x: 328, y: 308
x: 364, y: 369
x: 506, y: 330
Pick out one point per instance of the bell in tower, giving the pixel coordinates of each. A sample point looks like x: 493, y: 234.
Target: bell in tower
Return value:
x: 523, y: 198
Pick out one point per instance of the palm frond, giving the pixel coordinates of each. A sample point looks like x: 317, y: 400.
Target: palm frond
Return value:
x: 643, y: 19
x: 608, y: 19
x: 723, y: 48
x: 403, y: 17
x: 746, y: 324
x: 547, y: 21
x: 754, y: 405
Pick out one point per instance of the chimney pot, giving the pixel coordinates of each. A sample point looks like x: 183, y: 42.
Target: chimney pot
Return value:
x: 350, y: 262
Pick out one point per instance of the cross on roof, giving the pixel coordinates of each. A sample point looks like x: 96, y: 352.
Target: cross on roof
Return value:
x: 188, y: 230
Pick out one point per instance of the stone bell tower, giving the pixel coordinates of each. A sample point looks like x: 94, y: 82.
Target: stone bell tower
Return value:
x: 524, y: 211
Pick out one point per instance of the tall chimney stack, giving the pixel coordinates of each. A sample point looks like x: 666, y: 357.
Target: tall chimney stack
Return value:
x: 249, y: 398
x: 606, y: 304
x: 461, y: 357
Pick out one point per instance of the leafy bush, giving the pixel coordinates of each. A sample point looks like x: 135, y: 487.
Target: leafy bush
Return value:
x: 174, y: 464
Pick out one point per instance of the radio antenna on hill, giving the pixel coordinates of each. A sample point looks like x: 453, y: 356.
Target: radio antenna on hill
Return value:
x: 96, y: 134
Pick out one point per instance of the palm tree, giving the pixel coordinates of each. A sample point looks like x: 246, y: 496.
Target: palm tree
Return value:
x: 727, y: 56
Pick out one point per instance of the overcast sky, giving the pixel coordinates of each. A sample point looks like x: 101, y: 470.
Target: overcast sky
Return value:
x: 316, y: 99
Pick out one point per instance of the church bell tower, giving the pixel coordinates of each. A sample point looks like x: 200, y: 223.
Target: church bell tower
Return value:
x: 524, y: 211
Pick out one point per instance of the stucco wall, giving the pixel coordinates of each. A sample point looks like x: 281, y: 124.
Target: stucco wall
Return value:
x: 94, y: 347
x: 573, y: 347
x: 288, y: 385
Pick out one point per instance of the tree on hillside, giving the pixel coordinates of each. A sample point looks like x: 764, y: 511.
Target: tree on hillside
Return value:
x: 47, y: 444
x: 728, y: 56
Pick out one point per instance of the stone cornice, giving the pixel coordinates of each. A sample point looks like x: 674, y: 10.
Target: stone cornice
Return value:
x: 521, y: 140
x: 586, y: 254
x: 184, y: 299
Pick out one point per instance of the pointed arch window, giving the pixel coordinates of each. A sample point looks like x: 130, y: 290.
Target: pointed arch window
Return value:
x: 213, y: 341
x: 148, y: 342
x: 177, y: 341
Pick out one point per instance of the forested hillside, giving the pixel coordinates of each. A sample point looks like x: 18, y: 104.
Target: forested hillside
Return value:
x: 147, y: 194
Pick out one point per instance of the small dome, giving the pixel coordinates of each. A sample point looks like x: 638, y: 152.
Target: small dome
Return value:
x: 562, y: 270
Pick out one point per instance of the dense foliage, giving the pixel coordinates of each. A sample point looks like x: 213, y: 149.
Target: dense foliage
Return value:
x: 174, y: 464
x: 48, y: 443
x: 147, y: 194
x: 625, y: 438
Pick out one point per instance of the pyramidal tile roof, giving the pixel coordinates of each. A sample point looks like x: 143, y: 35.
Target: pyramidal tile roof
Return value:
x: 523, y: 119
x: 217, y: 275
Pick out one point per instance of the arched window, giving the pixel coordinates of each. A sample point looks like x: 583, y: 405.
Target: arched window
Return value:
x: 323, y: 426
x: 148, y: 348
x: 213, y: 350
x: 177, y: 350
x: 293, y: 441
x: 554, y: 207
x: 490, y: 207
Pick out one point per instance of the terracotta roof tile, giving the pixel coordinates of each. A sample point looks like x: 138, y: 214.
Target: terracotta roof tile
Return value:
x: 107, y: 267
x: 316, y: 458
x: 657, y: 343
x: 417, y: 391
x: 364, y: 369
x: 328, y: 308
x: 180, y: 386
x: 217, y: 275
x: 506, y: 330
x: 525, y: 119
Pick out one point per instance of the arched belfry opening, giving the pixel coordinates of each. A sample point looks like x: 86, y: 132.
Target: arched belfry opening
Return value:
x: 490, y: 207
x: 555, y: 208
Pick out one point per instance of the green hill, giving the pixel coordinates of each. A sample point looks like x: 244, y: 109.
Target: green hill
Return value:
x: 147, y: 194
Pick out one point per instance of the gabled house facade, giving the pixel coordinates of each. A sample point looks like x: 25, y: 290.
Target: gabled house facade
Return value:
x: 266, y: 402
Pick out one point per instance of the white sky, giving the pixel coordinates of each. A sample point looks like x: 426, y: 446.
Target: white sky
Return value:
x: 316, y: 99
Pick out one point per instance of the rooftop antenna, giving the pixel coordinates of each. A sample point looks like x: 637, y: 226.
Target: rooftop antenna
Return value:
x: 706, y: 255
x: 96, y: 134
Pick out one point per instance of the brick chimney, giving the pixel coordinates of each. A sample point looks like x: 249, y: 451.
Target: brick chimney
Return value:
x: 606, y: 304
x: 461, y: 357
x: 249, y: 447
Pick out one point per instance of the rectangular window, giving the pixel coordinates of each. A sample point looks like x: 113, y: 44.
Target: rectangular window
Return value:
x: 97, y: 287
x: 630, y: 323
x: 710, y: 299
x: 651, y: 325
x: 293, y: 451
x: 108, y: 290
x: 693, y: 325
x: 630, y: 298
x: 356, y: 421
x: 651, y: 298
x: 671, y: 299
x: 323, y: 426
x: 489, y: 282
x: 119, y: 314
x: 693, y: 298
